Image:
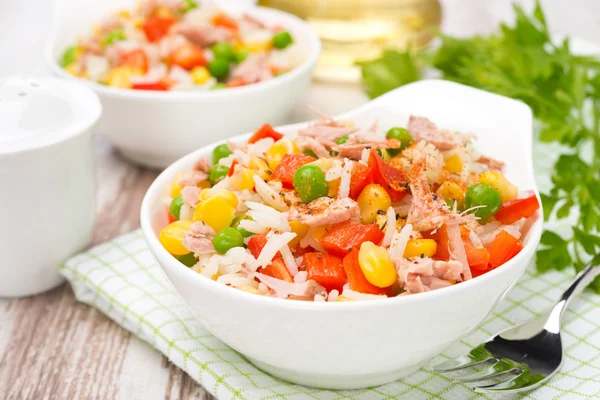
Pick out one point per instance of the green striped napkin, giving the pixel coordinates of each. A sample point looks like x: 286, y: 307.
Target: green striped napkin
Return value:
x: 122, y: 279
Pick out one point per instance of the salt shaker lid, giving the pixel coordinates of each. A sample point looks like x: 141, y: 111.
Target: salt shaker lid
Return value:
x: 41, y: 111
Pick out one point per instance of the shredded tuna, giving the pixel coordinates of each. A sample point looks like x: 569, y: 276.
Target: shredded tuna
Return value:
x: 309, y: 143
x: 199, y: 238
x: 423, y: 129
x: 326, y: 134
x: 254, y: 22
x: 191, y: 195
x: 457, y: 249
x: 425, y: 274
x: 427, y: 210
x: 202, y: 164
x: 284, y: 289
x: 201, y: 35
x: 324, y: 211
x: 254, y: 68
x: 491, y: 163
x: 193, y: 178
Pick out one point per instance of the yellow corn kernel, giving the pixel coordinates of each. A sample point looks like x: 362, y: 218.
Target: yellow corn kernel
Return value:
x: 452, y: 191
x: 259, y: 167
x: 347, y: 123
x: 97, y: 30
x: 495, y: 179
x: 278, y: 150
x: 138, y: 22
x: 242, y: 179
x: 258, y: 46
x: 372, y: 199
x: 228, y: 195
x: 376, y: 265
x: 454, y: 164
x: 343, y: 298
x: 325, y: 164
x: 300, y: 230
x: 249, y: 289
x: 163, y: 12
x: 124, y: 14
x: 120, y: 77
x: 320, y: 231
x: 200, y: 75
x: 333, y: 187
x: 175, y: 186
x: 204, y: 185
x: 171, y: 237
x: 420, y: 247
x: 216, y: 212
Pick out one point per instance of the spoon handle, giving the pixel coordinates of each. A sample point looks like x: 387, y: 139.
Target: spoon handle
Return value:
x: 581, y: 281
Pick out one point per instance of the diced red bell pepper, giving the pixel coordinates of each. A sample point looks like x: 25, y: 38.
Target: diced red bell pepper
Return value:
x: 265, y: 131
x: 187, y: 56
x: 157, y: 27
x: 237, y: 82
x: 288, y: 166
x: 356, y: 278
x: 504, y: 247
x: 348, y: 235
x: 225, y: 21
x: 478, y: 257
x: 277, y: 268
x: 232, y: 168
x: 441, y: 237
x: 256, y: 243
x: 160, y: 85
x: 391, y: 179
x: 326, y: 270
x: 136, y: 59
x: 361, y: 176
x: 300, y: 251
x: 514, y: 210
x: 171, y: 218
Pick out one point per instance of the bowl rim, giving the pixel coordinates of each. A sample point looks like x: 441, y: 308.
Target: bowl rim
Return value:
x: 308, y: 64
x: 157, y: 187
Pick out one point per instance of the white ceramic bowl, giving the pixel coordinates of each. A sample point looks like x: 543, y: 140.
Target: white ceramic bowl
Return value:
x: 359, y: 344
x: 156, y: 128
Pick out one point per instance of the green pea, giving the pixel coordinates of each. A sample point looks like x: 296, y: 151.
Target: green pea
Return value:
x: 403, y: 136
x: 217, y: 173
x: 189, y: 259
x: 175, y: 207
x: 219, y: 86
x: 189, y: 5
x: 282, y: 39
x: 219, y: 68
x: 241, y: 55
x: 342, y: 140
x: 114, y: 36
x: 451, y: 203
x: 69, y: 56
x: 482, y: 194
x: 236, y: 222
x: 309, y: 152
x: 221, y: 151
x: 223, y: 50
x: 310, y: 183
x: 226, y: 239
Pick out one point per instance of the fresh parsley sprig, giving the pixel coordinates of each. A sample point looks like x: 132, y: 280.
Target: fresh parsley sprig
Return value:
x: 563, y: 90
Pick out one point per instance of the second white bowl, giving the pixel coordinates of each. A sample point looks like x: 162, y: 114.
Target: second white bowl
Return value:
x: 156, y: 128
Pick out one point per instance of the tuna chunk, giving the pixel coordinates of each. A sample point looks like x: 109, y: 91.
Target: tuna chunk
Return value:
x: 190, y: 195
x: 324, y: 211
x: 255, y: 68
x: 193, y: 178
x: 201, y: 35
x: 491, y: 163
x: 423, y: 129
x: 199, y: 238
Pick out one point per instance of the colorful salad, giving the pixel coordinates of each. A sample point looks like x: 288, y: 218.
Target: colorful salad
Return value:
x: 176, y: 45
x: 341, y: 213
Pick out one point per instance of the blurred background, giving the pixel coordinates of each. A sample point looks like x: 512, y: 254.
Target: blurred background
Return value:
x: 349, y: 28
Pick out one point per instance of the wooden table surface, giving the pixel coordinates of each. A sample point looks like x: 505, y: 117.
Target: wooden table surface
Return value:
x: 51, y: 346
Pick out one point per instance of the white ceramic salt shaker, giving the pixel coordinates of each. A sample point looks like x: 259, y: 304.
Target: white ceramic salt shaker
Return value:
x: 47, y: 179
